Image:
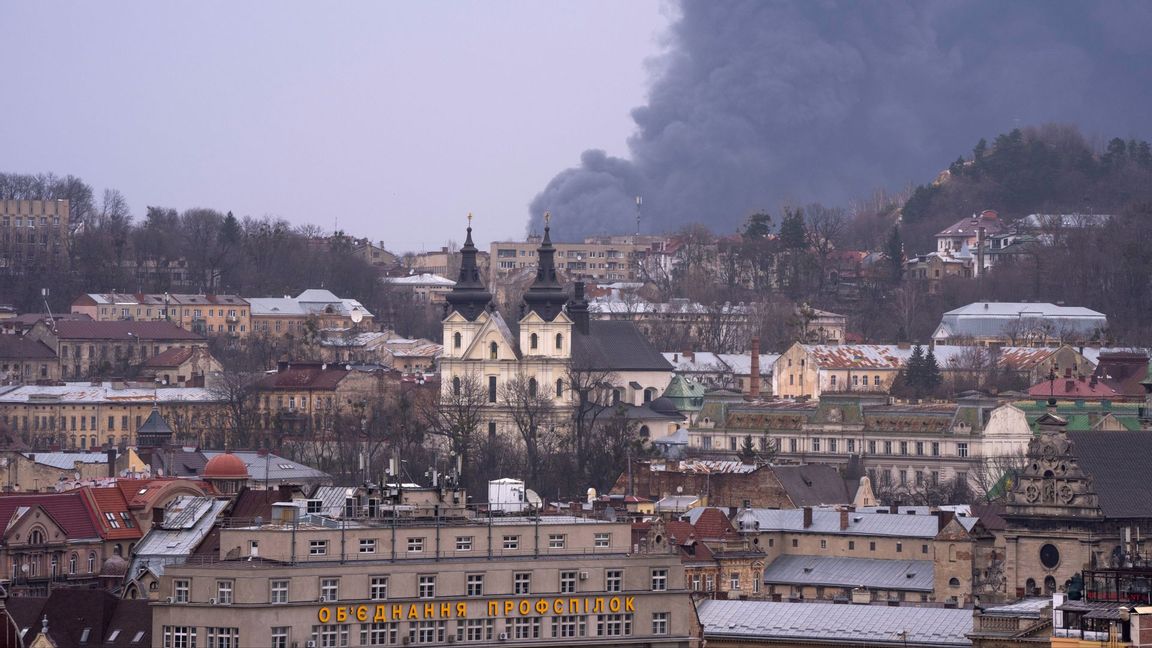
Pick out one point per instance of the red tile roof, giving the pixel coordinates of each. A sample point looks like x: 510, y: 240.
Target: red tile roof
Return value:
x: 71, y: 510
x: 1072, y: 388
x: 311, y: 375
x: 713, y: 525
x: 173, y: 357
x: 22, y: 348
x: 79, y: 330
x: 112, y: 501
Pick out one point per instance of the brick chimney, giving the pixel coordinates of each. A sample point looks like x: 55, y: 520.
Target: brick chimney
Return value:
x: 754, y: 380
x: 807, y: 517
x: 843, y: 519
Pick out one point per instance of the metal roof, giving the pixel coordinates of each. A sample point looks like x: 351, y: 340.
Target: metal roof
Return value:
x: 274, y: 467
x: 423, y: 279
x: 837, y: 571
x: 84, y: 392
x: 164, y: 546
x: 988, y: 319
x: 67, y: 460
x: 871, y: 625
x: 828, y: 522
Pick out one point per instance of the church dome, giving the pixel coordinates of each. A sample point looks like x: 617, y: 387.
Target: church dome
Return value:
x: 114, y: 566
x: 225, y: 466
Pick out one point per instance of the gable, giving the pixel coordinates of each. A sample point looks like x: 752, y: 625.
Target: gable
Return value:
x: 493, y: 330
x: 23, y: 523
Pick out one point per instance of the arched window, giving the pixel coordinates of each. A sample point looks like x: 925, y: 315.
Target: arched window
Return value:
x: 1049, y: 585
x: 532, y: 387
x: 649, y: 394
x: 456, y: 340
x: 560, y: 341
x: 493, y: 351
x: 953, y: 582
x: 1030, y: 587
x: 559, y: 387
x: 36, y: 537
x: 616, y: 396
x: 72, y: 563
x: 951, y: 553
x: 533, y: 341
x: 92, y: 562
x: 644, y: 432
x: 456, y: 385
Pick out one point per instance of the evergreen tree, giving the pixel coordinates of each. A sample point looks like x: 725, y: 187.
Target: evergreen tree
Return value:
x: 792, y: 233
x: 758, y: 226
x: 914, y: 371
x: 747, y: 450
x: 894, y: 254
x: 932, y: 376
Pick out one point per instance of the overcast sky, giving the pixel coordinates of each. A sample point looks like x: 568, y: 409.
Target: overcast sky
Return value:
x: 395, y: 118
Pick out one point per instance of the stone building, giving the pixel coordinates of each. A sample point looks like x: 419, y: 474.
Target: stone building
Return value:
x: 33, y: 235
x: 89, y: 349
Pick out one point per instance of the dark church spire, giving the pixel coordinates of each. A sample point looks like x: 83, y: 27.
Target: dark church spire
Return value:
x: 546, y: 296
x: 469, y: 296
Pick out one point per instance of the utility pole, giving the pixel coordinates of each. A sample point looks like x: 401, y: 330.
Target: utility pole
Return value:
x: 639, y: 204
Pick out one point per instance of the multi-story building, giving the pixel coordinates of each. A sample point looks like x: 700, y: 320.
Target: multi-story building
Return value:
x: 613, y: 258
x: 82, y: 415
x: 89, y: 349
x: 280, y: 316
x: 25, y: 360
x: 33, y: 235
x: 1017, y: 323
x: 433, y: 577
x: 203, y: 314
x: 306, y: 399
x: 903, y: 447
x: 423, y: 288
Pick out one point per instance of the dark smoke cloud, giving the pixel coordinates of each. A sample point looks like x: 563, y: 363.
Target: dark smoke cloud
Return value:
x: 761, y: 103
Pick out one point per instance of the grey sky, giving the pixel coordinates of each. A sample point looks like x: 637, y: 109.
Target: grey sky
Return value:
x: 397, y: 118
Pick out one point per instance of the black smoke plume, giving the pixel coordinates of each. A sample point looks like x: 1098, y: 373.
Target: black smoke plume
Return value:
x: 761, y: 103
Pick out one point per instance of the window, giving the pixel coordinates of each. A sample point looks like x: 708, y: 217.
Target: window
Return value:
x: 920, y: 448
x: 823, y: 543
x: 72, y: 563
x: 475, y: 629
x: 614, y: 580
x: 91, y: 562
x: 526, y: 628
x: 456, y: 340
x: 904, y: 447
x: 850, y: 446
x: 935, y: 448
x: 919, y: 475
x: 614, y: 625
x: 491, y: 389
x: 456, y: 385
x: 569, y: 625
x: 367, y: 545
x: 832, y: 445
x: 899, y: 547
x: 426, y: 587
x: 533, y: 341
x: 223, y: 637
x: 511, y: 542
x: 280, y: 636
x: 224, y: 592
x: 903, y: 477
x: 559, y: 341
x: 832, y: 380
x: 961, y: 449
x: 792, y: 445
x: 415, y: 545
x: 493, y: 351
x: 463, y: 543
x: 871, y: 447
x: 317, y: 547
x: 279, y: 591
x: 179, y: 637
x: 559, y: 387
x: 887, y: 447
x: 532, y: 387
x: 180, y: 590
x: 522, y: 583
x: 475, y: 585
x: 851, y: 545
x: 923, y: 548
x: 379, y: 634
x: 709, y: 583
x: 567, y: 582
x: 816, y: 445
x: 734, y: 581
x: 871, y: 546
x: 330, y: 636
x: 378, y: 588
x: 659, y: 623
x: 330, y: 589
x: 602, y: 540
x: 557, y: 541
x: 423, y: 632
x: 659, y: 580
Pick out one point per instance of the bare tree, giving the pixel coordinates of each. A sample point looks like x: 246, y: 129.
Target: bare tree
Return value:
x: 824, y: 227
x: 533, y: 413
x: 456, y: 417
x: 587, y: 387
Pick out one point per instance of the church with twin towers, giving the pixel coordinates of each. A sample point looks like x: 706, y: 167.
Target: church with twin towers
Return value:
x: 552, y: 351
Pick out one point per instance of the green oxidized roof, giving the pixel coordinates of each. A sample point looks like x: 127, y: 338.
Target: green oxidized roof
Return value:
x: 687, y: 394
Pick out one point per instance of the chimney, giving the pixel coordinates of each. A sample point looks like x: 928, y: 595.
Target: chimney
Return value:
x: 112, y: 462
x: 843, y: 519
x: 754, y: 379
x: 945, y: 517
x: 807, y: 517
x: 578, y: 308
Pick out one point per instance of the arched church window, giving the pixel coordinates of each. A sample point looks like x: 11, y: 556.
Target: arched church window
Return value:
x: 533, y: 341
x: 532, y: 387
x: 457, y: 339
x: 559, y: 387
x: 456, y: 386
x: 493, y: 351
x: 559, y: 341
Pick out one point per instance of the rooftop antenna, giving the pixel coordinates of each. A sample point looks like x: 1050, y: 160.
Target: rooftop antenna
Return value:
x: 639, y: 204
x: 44, y: 292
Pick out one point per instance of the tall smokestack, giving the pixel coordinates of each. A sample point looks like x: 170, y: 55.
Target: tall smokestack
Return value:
x: 754, y: 379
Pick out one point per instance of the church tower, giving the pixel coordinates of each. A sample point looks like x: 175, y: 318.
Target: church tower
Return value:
x: 469, y: 296
x: 546, y: 296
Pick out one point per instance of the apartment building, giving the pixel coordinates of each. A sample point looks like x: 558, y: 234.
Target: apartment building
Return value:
x: 203, y: 314
x: 280, y: 316
x: 33, y: 235
x: 301, y: 579
x: 605, y: 258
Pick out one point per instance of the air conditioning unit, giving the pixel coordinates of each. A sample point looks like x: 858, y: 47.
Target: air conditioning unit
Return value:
x: 309, y: 644
x: 169, y: 600
x: 211, y: 601
x: 503, y: 636
x: 583, y: 575
x: 323, y: 599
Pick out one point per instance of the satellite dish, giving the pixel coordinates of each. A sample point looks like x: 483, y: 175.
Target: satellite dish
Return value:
x: 356, y: 316
x: 533, y: 499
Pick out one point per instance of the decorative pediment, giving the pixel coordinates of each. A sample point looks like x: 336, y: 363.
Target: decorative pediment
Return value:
x: 492, y: 330
x: 1052, y: 481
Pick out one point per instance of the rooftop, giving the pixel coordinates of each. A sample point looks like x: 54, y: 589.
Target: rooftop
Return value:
x: 838, y: 571
x: 828, y: 522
